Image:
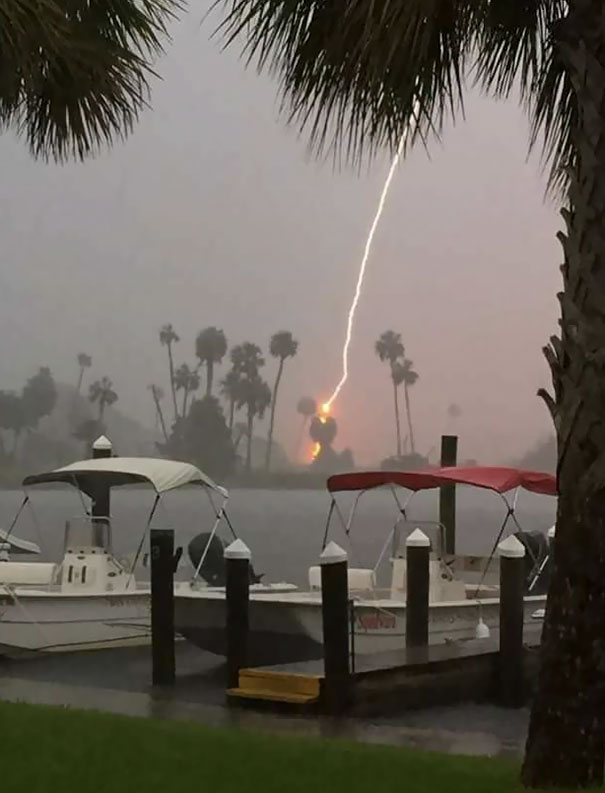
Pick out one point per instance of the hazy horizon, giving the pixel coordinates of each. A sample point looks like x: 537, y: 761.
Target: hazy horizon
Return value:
x: 212, y: 213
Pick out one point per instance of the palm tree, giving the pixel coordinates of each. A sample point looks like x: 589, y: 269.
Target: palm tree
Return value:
x: 255, y: 396
x: 158, y: 395
x: 84, y: 362
x: 282, y: 346
x: 251, y: 390
x: 230, y: 390
x: 74, y: 82
x: 247, y: 359
x: 363, y: 75
x: 389, y: 348
x: 210, y: 348
x: 168, y: 337
x: 188, y: 381
x: 101, y: 392
x: 408, y: 378
x: 307, y: 407
x: 239, y: 432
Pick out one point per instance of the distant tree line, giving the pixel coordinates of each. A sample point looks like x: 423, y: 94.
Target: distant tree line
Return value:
x: 22, y: 411
x: 198, y: 428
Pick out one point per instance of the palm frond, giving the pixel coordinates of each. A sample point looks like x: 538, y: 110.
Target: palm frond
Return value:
x: 74, y: 74
x: 518, y: 50
x: 357, y: 73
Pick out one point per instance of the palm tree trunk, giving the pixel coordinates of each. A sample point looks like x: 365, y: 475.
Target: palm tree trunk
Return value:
x: 160, y: 414
x: 231, y: 416
x: 172, y: 388
x: 74, y: 403
x: 209, y: 376
x: 184, y: 407
x: 566, y: 738
x: 409, y: 416
x: 397, y: 425
x: 280, y: 369
x: 249, y: 447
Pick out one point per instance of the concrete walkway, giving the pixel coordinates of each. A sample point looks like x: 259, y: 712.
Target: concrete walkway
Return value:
x: 118, y: 681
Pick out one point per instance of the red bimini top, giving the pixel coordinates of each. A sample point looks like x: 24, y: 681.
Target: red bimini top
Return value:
x: 498, y: 479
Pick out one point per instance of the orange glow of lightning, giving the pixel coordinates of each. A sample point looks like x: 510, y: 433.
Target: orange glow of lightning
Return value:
x: 362, y: 271
x: 324, y: 412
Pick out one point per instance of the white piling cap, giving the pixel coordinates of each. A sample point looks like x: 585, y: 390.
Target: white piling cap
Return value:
x: 238, y: 550
x: 511, y: 548
x: 417, y: 539
x: 102, y: 444
x: 551, y: 532
x: 332, y: 554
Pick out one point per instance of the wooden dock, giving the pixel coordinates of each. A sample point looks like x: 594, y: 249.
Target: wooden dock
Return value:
x: 409, y: 678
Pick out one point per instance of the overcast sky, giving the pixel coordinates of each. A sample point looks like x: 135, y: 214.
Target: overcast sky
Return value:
x: 213, y: 214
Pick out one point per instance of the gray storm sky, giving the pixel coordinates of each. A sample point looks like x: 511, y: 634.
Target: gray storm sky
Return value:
x: 212, y: 213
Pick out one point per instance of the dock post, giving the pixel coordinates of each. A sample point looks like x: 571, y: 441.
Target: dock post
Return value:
x: 335, y: 616
x: 418, y: 548
x: 162, y: 606
x: 447, y: 493
x: 511, y: 687
x: 101, y: 498
x: 237, y: 569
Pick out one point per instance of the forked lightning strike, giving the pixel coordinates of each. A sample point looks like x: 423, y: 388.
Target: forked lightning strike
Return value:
x: 326, y: 407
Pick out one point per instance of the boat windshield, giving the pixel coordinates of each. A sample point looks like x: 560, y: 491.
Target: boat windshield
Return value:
x: 86, y: 532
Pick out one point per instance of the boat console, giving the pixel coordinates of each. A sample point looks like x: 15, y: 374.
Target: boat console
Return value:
x: 444, y: 585
x: 88, y: 561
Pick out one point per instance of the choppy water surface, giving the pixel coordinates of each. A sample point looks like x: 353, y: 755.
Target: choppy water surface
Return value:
x: 284, y: 528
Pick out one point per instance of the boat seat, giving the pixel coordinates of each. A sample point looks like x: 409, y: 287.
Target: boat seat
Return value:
x: 361, y: 579
x: 27, y: 573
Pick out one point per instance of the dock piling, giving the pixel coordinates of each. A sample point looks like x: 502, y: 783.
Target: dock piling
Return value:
x: 447, y: 493
x: 162, y: 606
x: 237, y: 566
x: 417, y: 598
x: 511, y: 688
x: 101, y: 497
x: 335, y: 611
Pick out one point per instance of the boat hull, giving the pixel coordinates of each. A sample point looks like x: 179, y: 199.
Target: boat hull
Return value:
x: 285, y: 629
x: 43, y: 622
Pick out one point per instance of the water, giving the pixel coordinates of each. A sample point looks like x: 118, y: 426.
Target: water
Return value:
x: 283, y: 528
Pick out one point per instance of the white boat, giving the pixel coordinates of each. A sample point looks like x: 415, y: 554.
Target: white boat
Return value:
x: 464, y: 590
x: 88, y: 599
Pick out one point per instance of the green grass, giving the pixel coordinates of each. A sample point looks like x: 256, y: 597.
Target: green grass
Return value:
x: 47, y: 750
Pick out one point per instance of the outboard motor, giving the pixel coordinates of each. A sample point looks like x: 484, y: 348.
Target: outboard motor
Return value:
x: 537, y: 563
x: 213, y: 567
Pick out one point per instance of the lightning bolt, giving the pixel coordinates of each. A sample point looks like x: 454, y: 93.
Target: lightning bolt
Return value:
x: 362, y: 271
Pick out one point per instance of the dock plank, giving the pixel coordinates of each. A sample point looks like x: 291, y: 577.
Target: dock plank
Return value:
x: 409, y: 657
